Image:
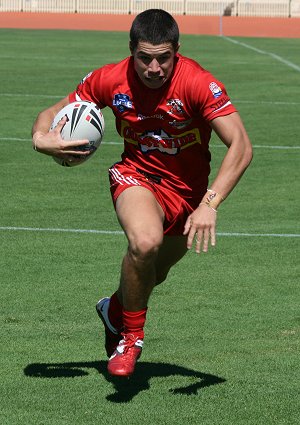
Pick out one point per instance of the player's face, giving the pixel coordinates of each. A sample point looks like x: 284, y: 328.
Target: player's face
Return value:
x: 154, y: 64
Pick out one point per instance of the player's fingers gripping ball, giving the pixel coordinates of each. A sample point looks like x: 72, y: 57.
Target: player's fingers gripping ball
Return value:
x: 84, y: 121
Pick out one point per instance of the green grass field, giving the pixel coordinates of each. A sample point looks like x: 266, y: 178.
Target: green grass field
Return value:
x: 223, y: 333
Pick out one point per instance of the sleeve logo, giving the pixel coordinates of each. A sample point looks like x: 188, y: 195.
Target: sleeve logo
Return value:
x: 215, y: 89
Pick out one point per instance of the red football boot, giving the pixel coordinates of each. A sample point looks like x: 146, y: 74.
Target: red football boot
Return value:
x: 124, y: 358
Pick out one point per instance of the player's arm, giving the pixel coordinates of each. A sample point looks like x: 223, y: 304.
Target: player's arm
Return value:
x: 232, y: 133
x: 50, y: 142
x: 201, y: 224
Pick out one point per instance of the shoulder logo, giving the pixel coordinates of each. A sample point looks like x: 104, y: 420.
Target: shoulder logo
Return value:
x: 215, y: 89
x: 122, y: 101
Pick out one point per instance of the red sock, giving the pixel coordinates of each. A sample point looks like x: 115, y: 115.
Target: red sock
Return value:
x: 134, y: 322
x: 115, y: 312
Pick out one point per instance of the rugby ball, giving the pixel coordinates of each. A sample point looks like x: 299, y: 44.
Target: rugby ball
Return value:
x: 84, y: 121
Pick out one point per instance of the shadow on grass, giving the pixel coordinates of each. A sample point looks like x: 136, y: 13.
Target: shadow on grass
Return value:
x: 126, y: 389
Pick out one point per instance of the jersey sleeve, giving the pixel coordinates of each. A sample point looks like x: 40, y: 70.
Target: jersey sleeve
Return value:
x: 92, y: 88
x: 210, y: 97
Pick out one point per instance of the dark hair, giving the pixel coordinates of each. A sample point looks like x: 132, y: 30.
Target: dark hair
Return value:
x: 155, y: 26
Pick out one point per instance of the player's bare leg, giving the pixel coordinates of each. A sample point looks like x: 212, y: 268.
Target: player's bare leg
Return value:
x: 138, y: 272
x: 110, y: 310
x: 145, y: 238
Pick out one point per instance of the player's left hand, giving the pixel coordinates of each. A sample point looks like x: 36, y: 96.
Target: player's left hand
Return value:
x: 201, y: 227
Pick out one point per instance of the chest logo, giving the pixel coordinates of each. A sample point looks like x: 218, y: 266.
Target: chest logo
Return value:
x: 176, y: 106
x: 122, y: 102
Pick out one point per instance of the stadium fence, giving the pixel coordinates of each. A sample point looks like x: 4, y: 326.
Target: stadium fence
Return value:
x: 266, y: 8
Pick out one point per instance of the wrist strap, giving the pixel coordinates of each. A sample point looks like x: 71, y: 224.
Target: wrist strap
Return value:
x: 208, y: 205
x: 214, y: 194
x: 212, y: 199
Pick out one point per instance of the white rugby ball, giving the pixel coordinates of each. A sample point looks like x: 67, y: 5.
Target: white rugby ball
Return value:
x: 84, y: 121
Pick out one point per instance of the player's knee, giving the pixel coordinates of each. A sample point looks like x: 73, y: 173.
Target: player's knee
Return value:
x: 145, y: 247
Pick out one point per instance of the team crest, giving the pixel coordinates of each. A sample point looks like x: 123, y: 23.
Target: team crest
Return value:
x: 122, y: 102
x: 176, y: 106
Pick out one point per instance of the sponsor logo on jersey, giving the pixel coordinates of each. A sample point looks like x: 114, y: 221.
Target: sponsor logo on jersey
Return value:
x: 141, y: 117
x: 215, y: 89
x: 122, y: 102
x: 220, y: 104
x: 176, y: 106
x: 180, y: 124
x: 160, y: 140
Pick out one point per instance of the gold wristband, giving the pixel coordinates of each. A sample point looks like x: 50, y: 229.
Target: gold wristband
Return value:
x: 212, y: 198
x: 217, y: 193
x: 208, y: 205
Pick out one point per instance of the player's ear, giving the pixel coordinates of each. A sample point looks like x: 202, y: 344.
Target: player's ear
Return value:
x: 177, y: 48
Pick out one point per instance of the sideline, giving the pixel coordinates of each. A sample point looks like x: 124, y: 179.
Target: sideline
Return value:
x: 264, y: 52
x: 250, y: 102
x: 118, y: 232
x: 17, y: 139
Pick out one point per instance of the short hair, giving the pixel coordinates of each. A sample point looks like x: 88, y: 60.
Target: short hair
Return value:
x: 155, y: 26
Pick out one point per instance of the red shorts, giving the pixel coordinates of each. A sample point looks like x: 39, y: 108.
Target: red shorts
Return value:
x: 176, y: 208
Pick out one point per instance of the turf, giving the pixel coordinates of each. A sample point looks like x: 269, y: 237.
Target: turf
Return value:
x: 222, y: 336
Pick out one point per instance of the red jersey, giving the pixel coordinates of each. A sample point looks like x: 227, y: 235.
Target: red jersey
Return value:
x: 166, y: 131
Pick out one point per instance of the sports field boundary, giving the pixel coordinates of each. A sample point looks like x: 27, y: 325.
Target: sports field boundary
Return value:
x: 120, y: 232
x: 272, y: 147
x: 264, y: 52
x: 206, y: 25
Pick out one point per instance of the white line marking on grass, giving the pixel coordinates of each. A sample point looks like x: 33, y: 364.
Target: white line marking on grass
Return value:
x: 264, y: 52
x: 258, y: 146
x: 273, y: 147
x: 15, y: 139
x: 50, y: 229
x: 250, y: 102
x: 264, y: 102
x: 19, y: 139
x: 269, y: 235
x: 119, y: 232
x: 51, y: 96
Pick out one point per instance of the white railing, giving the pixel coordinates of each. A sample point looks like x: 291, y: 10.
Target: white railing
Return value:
x: 266, y: 8
x: 63, y: 6
x: 295, y: 9
x: 117, y: 7
x: 263, y: 8
x: 213, y: 8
